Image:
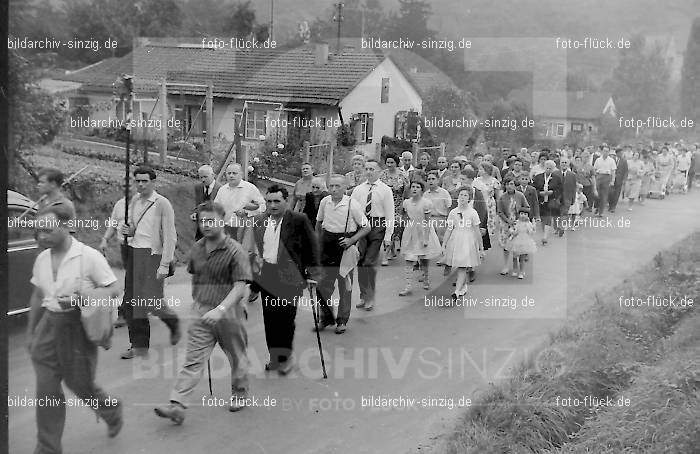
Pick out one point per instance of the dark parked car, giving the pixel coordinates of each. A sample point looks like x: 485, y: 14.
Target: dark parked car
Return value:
x: 22, y: 249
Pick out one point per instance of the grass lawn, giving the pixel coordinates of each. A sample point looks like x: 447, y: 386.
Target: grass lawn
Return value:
x: 623, y: 379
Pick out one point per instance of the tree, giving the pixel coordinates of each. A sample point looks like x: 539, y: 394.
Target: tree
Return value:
x: 690, y: 77
x: 359, y: 20
x: 505, y: 121
x: 448, y: 104
x: 411, y: 23
x: 640, y: 82
x: 241, y: 21
x: 35, y: 117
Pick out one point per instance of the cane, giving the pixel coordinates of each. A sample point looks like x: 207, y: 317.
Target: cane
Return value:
x: 211, y: 392
x: 312, y: 294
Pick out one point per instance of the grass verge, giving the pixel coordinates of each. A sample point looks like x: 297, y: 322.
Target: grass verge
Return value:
x: 610, y: 352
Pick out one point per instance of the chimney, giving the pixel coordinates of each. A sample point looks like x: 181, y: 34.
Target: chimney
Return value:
x: 321, y: 54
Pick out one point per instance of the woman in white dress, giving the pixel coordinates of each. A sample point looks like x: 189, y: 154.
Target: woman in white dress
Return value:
x: 461, y: 243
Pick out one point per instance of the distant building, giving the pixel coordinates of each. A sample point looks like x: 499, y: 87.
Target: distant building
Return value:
x: 563, y: 114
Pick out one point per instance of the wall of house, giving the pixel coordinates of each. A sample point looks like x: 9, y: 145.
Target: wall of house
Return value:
x: 548, y: 127
x: 366, y: 98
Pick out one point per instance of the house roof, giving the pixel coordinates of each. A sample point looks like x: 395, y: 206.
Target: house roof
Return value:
x: 422, y: 74
x: 562, y: 104
x: 276, y: 75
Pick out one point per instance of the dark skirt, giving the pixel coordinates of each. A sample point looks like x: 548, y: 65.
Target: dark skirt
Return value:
x: 486, y: 240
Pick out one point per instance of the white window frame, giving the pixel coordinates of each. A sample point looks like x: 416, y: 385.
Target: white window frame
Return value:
x: 257, y: 116
x: 556, y: 129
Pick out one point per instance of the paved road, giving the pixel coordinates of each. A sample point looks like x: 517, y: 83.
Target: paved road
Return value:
x: 403, y: 349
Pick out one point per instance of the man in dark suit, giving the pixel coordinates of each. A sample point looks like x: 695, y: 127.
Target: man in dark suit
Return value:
x: 568, y: 192
x: 288, y: 261
x: 530, y: 194
x: 620, y: 178
x: 205, y: 190
x: 549, y: 187
x: 479, y: 204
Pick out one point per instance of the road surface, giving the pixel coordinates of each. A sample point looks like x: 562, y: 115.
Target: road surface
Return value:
x: 438, y: 356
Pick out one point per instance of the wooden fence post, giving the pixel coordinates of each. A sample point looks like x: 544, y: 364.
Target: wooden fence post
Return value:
x: 164, y: 119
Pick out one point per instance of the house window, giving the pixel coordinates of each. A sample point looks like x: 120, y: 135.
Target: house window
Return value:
x: 576, y: 127
x: 406, y: 125
x: 366, y: 125
x: 191, y: 119
x: 560, y: 130
x: 385, y: 90
x: 122, y: 110
x: 255, y: 124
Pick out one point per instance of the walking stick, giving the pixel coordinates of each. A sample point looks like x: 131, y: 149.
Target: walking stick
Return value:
x: 211, y: 393
x: 312, y: 294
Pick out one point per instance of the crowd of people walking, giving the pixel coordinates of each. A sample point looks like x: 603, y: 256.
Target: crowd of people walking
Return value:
x: 327, y: 231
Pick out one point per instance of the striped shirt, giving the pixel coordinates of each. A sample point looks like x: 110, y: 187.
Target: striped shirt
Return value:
x: 214, y: 273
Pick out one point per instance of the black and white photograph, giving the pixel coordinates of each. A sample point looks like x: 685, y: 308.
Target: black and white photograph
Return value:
x: 350, y: 226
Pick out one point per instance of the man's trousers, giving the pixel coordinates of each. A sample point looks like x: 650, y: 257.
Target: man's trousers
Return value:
x: 279, y: 305
x: 61, y: 351
x: 143, y: 293
x: 369, y: 246
x: 230, y: 334
x: 331, y: 253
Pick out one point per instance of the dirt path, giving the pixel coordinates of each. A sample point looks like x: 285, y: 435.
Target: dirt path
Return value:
x: 403, y: 349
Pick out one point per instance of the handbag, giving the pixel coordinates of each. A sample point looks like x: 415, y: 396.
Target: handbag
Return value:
x: 352, y: 251
x: 97, y: 320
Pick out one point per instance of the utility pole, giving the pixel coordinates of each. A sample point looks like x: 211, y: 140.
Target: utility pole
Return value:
x: 339, y: 18
x: 272, y: 20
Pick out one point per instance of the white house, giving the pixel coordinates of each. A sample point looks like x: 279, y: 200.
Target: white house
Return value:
x: 289, y: 95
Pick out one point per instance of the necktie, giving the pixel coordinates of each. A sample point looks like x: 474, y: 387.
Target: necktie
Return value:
x: 368, y: 205
x: 206, y: 193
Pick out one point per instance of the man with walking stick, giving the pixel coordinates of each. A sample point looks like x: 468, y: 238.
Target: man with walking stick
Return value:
x: 220, y: 271
x: 287, y: 261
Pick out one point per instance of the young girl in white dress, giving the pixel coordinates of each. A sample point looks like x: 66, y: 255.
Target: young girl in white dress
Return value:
x: 419, y: 242
x: 522, y: 243
x: 461, y: 243
x: 576, y: 208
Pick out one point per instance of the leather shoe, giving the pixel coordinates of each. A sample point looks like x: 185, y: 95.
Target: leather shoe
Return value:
x: 361, y: 304
x: 286, y: 367
x: 129, y: 354
x: 115, y: 427
x: 272, y: 366
x: 173, y: 411
x: 238, y: 402
x: 321, y: 326
x: 340, y: 329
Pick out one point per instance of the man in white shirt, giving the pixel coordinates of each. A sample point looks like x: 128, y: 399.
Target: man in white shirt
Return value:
x: 604, y: 168
x: 240, y: 199
x: 442, y: 201
x: 406, y: 166
x: 151, y: 249
x: 378, y: 202
x: 340, y: 223
x: 64, y: 276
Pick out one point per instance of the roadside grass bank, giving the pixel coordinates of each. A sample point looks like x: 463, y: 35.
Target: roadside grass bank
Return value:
x: 624, y: 376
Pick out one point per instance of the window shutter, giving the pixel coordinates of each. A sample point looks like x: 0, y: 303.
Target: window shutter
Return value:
x: 385, y: 90
x: 370, y: 127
